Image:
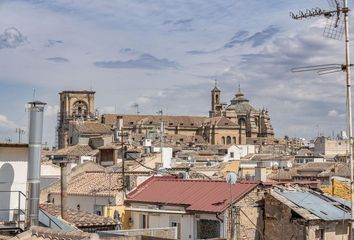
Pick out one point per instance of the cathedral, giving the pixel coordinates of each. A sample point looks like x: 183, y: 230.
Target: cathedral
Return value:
x: 236, y: 123
x: 255, y: 122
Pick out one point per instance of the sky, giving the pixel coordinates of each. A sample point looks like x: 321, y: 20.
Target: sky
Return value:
x: 164, y: 54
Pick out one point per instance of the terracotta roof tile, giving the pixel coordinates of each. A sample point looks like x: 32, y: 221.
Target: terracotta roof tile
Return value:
x: 76, y: 150
x: 90, y: 183
x: 93, y: 127
x: 79, y: 218
x: 186, y: 121
x: 37, y: 233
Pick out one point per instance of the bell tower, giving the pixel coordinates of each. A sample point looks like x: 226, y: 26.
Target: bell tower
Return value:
x: 74, y: 105
x: 215, y: 101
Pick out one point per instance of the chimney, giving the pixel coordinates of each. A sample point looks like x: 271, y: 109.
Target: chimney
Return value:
x: 36, y: 110
x: 261, y: 172
x: 118, y: 129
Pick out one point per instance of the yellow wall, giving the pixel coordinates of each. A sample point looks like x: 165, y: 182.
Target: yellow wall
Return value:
x: 338, y: 189
x: 108, y: 211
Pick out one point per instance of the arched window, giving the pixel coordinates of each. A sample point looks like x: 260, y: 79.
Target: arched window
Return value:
x: 242, y: 122
x: 228, y: 140
x: 223, y: 140
x: 79, y: 108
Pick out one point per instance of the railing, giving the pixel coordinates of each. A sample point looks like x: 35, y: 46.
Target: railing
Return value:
x: 12, y: 209
x: 50, y: 221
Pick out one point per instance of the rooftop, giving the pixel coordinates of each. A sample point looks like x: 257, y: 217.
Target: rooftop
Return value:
x: 92, y: 183
x: 42, y: 233
x: 313, y: 205
x: 79, y: 218
x: 195, y: 195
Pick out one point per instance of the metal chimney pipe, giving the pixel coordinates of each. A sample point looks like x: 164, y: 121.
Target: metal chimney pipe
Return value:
x: 36, y: 110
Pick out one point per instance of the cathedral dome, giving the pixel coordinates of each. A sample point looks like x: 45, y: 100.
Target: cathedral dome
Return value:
x: 240, y: 104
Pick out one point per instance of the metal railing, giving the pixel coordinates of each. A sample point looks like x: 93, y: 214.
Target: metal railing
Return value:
x: 12, y: 209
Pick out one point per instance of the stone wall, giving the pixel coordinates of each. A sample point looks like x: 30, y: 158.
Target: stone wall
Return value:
x: 248, y: 213
x: 280, y: 223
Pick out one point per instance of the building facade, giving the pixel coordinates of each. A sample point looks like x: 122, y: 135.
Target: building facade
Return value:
x: 74, y: 105
x: 252, y: 123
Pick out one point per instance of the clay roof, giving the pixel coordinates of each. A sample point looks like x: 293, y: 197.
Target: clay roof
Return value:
x: 76, y: 150
x: 79, y: 218
x: 195, y: 195
x: 93, y: 128
x: 186, y: 121
x: 92, y: 183
x: 282, y: 174
x: 220, y: 121
x: 316, y: 166
x: 41, y: 233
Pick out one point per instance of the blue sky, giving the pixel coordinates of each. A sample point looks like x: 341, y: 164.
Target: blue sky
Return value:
x: 165, y: 55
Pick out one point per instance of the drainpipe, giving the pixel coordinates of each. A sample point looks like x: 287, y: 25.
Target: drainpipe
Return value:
x: 36, y: 110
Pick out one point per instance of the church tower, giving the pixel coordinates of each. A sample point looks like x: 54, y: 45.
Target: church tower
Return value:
x: 74, y: 105
x: 215, y: 102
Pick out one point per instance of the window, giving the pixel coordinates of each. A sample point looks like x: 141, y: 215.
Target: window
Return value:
x: 228, y: 140
x: 319, y: 234
x: 208, y: 229
x: 143, y: 221
x: 231, y: 154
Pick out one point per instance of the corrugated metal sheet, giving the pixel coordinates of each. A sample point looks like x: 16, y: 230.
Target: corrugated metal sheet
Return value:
x: 197, y: 195
x: 340, y: 200
x: 315, y: 204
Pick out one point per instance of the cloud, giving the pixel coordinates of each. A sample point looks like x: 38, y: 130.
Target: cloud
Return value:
x: 51, y: 110
x: 180, y: 24
x: 145, y: 61
x: 51, y: 43
x: 12, y: 38
x: 128, y: 51
x: 58, y: 59
x: 6, y: 123
x: 256, y: 39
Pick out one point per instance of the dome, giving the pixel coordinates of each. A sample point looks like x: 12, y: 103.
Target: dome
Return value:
x: 240, y: 104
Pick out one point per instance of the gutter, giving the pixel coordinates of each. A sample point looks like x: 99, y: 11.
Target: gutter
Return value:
x: 154, y: 210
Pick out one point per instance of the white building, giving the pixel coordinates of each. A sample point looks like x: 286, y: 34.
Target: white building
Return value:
x: 13, y: 178
x: 199, y: 209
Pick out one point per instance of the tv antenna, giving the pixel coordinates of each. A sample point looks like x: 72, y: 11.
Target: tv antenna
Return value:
x: 337, y: 23
x: 335, y: 17
x: 136, y: 105
x: 322, y: 69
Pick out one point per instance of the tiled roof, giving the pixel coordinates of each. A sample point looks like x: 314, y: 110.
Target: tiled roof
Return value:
x: 182, y: 121
x: 76, y: 150
x: 42, y: 233
x: 316, y: 166
x: 93, y: 127
x: 220, y: 121
x: 90, y: 183
x: 79, y: 218
x: 196, y: 195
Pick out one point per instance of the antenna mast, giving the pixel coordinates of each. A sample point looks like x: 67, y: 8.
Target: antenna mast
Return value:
x: 334, y: 29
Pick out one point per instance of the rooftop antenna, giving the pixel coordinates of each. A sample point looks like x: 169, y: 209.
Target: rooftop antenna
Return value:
x: 239, y: 87
x: 337, y: 23
x: 34, y: 94
x: 136, y: 105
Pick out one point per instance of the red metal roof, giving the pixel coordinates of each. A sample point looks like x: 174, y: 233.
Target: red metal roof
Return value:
x: 196, y: 195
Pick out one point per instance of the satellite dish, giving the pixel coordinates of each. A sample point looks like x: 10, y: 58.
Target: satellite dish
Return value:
x: 231, y: 178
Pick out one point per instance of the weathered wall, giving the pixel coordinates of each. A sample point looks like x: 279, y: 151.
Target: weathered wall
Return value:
x: 250, y: 212
x: 280, y: 223
x: 339, y: 189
